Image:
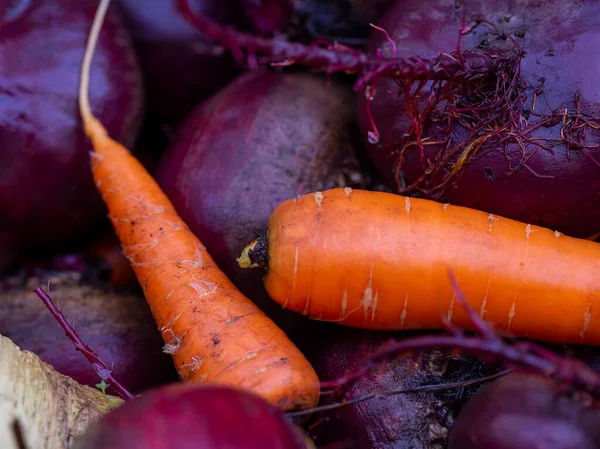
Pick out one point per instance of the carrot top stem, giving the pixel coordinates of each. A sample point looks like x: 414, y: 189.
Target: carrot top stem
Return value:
x: 99, y: 366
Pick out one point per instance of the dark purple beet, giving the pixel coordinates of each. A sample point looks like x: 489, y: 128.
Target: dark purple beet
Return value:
x: 265, y: 138
x: 589, y: 354
x: 411, y: 421
x: 47, y: 195
x: 520, y: 411
x: 119, y: 327
x: 193, y: 416
x: 179, y: 64
x: 559, y: 40
x: 8, y: 250
x: 343, y: 21
x: 265, y: 17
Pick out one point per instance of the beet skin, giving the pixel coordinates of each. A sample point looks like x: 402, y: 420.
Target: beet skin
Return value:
x: 119, y: 327
x: 47, y: 195
x: 557, y: 187
x: 265, y: 138
x: 404, y: 421
x: 520, y: 411
x: 193, y: 416
x: 180, y: 66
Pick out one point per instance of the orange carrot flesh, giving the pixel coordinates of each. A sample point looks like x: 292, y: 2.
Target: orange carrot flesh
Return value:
x: 379, y: 261
x: 212, y: 331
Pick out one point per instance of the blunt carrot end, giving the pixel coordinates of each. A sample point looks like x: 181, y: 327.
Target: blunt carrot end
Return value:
x: 213, y: 332
x: 245, y: 261
x: 255, y: 254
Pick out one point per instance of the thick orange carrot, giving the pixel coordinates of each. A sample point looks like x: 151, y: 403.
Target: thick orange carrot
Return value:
x: 379, y: 261
x: 213, y: 332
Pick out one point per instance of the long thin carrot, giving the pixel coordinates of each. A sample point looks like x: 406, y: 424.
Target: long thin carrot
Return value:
x: 377, y: 260
x: 213, y: 332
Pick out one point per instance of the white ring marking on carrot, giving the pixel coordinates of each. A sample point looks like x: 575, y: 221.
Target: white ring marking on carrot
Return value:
x: 491, y: 218
x: 305, y: 311
x: 483, y: 310
x: 195, y: 364
x: 586, y: 317
x: 404, y: 312
x: 319, y: 199
x: 296, y: 254
x: 344, y: 302
x: 205, y: 288
x: 511, y: 313
x: 451, y: 308
x: 374, y: 307
x: 197, y: 262
x: 367, y: 299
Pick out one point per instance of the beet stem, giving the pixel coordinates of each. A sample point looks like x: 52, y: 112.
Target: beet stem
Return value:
x: 381, y: 394
x: 334, y: 57
x: 99, y: 366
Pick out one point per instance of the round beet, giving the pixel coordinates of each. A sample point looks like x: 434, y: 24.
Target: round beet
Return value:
x: 521, y: 143
x: 265, y: 138
x: 192, y: 416
x: 119, y: 327
x: 412, y: 421
x: 521, y: 411
x: 47, y: 195
x: 180, y: 66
